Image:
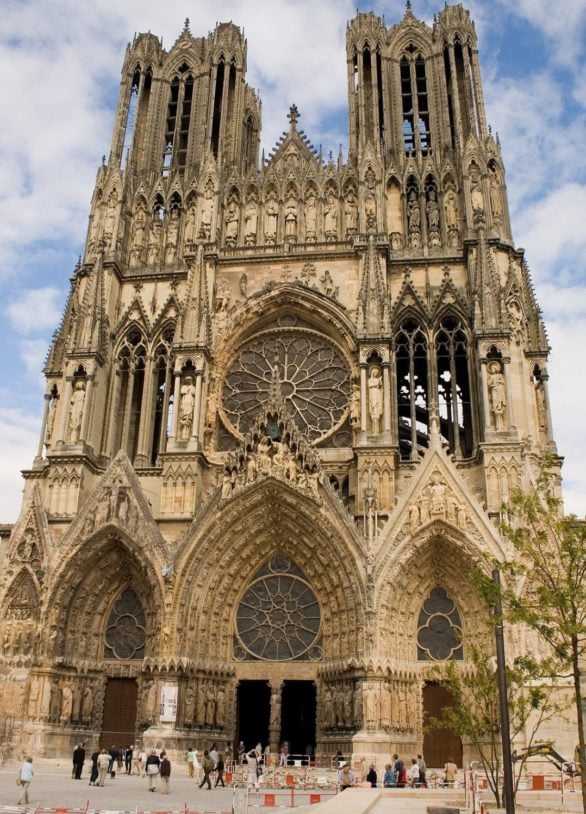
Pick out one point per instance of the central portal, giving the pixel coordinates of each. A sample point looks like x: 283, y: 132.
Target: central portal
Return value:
x: 254, y: 699
x: 298, y: 716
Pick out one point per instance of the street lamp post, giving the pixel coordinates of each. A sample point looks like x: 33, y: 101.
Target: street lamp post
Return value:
x: 503, y: 705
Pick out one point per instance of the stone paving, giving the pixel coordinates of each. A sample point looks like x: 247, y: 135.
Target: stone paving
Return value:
x: 53, y: 788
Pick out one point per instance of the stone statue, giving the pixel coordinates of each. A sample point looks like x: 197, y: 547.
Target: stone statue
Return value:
x: 154, y: 245
x: 110, y: 217
x: 220, y: 706
x: 370, y: 716
x: 328, y: 707
x: 151, y: 702
x: 437, y: 498
x: 190, y: 231
x: 210, y: 706
x: 87, y: 705
x: 476, y: 196
x: 172, y: 236
x: 46, y: 698
x: 432, y: 210
x: 275, y: 719
x: 76, y: 411
x: 201, y: 704
x: 413, y: 213
x: 498, y: 394
x: 451, y: 209
x: 250, y: 223
x: 495, y: 195
x: 186, y: 406
x: 375, y: 398
x: 138, y: 236
x: 541, y: 405
x: 207, y: 211
x: 350, y: 213
x: 331, y: 217
x: 66, y: 704
x: 311, y: 219
x: 370, y: 201
x: 355, y: 406
x: 243, y: 284
x: 231, y: 223
x: 271, y: 215
x: 291, y: 219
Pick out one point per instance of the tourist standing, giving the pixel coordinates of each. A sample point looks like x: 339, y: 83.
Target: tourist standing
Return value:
x: 103, y: 764
x: 94, y: 772
x: 371, y: 777
x: 165, y: 772
x: 152, y: 769
x: 78, y: 761
x: 252, y: 774
x: 25, y: 776
x: 422, y: 771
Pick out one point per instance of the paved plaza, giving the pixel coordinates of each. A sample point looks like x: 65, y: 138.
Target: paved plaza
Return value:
x: 53, y: 788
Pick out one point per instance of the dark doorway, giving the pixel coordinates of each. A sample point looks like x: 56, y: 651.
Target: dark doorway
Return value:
x: 298, y: 710
x: 119, y: 718
x: 254, y: 698
x: 439, y: 744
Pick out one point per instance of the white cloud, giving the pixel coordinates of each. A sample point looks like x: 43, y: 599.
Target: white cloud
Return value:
x: 33, y: 353
x: 35, y: 310
x: 562, y: 25
x: 19, y: 434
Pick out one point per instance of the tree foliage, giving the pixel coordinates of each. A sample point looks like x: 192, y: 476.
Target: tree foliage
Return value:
x: 474, y: 714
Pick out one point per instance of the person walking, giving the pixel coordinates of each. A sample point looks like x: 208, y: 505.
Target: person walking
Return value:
x: 422, y: 771
x: 153, y: 763
x: 78, y: 761
x: 207, y: 765
x: 25, y: 777
x: 191, y: 761
x: 103, y: 765
x: 165, y: 772
x: 220, y: 771
x: 94, y: 772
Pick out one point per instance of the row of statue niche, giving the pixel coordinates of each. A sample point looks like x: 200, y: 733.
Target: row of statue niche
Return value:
x: 381, y: 705
x: 114, y: 506
x: 281, y: 459
x: 436, y: 502
x: 375, y: 401
x: 18, y: 640
x: 61, y: 701
x: 431, y: 212
x: 203, y: 704
x: 495, y: 192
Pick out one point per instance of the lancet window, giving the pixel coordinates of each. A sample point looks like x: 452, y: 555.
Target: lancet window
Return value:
x: 136, y: 114
x: 163, y: 397
x: 433, y: 374
x: 414, y: 102
x: 130, y: 379
x: 178, y: 120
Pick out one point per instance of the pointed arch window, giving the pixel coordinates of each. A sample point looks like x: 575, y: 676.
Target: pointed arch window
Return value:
x: 131, y: 364
x: 415, y: 103
x: 125, y: 636
x: 412, y: 389
x: 453, y: 386
x: 179, y: 110
x: 439, y: 629
x: 163, y: 397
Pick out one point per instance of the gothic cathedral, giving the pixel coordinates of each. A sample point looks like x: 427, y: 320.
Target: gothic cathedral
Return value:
x: 285, y: 402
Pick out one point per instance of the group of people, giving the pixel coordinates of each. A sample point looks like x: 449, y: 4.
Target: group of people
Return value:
x: 212, y: 761
x: 396, y: 775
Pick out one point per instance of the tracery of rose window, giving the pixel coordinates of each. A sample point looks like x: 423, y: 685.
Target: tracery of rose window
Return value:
x: 313, y: 377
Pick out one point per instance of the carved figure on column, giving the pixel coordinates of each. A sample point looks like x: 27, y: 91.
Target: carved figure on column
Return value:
x: 433, y: 218
x: 375, y: 398
x: 138, y: 234
x: 291, y: 218
x: 451, y: 212
x: 370, y: 707
x: 498, y: 394
x: 87, y: 705
x: 250, y: 223
x: 190, y: 232
x: 210, y: 702
x: 110, y: 217
x: 55, y: 709
x: 275, y: 717
x: 220, y: 706
x: 154, y: 245
x: 541, y: 405
x: 495, y: 195
x: 231, y: 223
x: 350, y: 213
x: 437, y: 497
x: 66, y: 704
x: 311, y: 219
x: 370, y: 201
x: 186, y: 407
x: 207, y: 211
x: 414, y: 219
x: 331, y: 217
x: 476, y: 196
x: 271, y: 215
x: 172, y: 236
x: 76, y: 411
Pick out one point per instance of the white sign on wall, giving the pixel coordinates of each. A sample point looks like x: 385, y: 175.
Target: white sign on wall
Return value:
x: 168, y: 703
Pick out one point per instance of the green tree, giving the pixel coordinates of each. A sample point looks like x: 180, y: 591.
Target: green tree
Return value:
x: 546, y: 588
x: 474, y: 714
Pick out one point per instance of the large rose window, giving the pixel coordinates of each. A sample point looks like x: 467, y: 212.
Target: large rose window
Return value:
x: 312, y: 377
x: 279, y: 617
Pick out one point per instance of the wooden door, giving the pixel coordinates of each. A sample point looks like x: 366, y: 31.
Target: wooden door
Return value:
x: 439, y: 745
x: 119, y: 719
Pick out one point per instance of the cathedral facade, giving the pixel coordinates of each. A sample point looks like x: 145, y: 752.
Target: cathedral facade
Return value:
x: 284, y: 404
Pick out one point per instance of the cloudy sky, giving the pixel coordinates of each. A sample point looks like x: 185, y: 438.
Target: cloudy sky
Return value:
x: 60, y: 64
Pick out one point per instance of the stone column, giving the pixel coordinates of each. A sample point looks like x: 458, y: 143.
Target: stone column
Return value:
x: 176, y: 400
x: 275, y: 716
x: 197, y: 409
x: 363, y: 404
x: 60, y: 439
x: 47, y: 398
x: 386, y: 404
x: 89, y: 383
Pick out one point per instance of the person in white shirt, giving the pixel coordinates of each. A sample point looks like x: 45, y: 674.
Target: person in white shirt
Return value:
x: 26, y: 776
x: 252, y: 763
x: 414, y: 772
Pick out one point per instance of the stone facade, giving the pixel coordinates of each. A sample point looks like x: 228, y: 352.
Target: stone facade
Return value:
x: 283, y: 408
